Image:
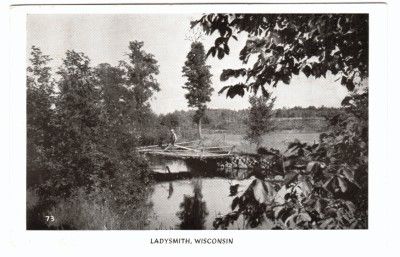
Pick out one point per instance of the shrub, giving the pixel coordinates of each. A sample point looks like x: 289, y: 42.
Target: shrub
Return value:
x: 325, y: 185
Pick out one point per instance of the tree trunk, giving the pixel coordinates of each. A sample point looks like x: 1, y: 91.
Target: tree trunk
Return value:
x: 199, y: 129
x: 258, y: 143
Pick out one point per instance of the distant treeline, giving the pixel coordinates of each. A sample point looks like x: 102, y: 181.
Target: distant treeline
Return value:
x: 307, y: 119
x: 305, y: 112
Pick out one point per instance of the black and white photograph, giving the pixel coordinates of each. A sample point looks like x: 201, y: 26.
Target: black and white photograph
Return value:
x: 197, y: 128
x: 197, y: 121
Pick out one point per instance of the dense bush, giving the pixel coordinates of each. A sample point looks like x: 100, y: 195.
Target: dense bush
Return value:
x: 82, y: 131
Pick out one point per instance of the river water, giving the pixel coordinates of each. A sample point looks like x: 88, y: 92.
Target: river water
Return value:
x: 195, y: 201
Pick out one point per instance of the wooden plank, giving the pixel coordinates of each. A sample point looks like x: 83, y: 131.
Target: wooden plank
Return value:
x: 147, y: 146
x: 166, y: 148
x: 190, y: 155
x: 155, y: 146
x: 185, y: 148
x: 216, y: 147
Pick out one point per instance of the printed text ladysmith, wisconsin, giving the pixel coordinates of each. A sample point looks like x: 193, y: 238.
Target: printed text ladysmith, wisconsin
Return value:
x: 190, y: 241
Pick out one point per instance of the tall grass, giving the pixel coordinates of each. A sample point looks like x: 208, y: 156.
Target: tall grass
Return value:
x: 87, y: 211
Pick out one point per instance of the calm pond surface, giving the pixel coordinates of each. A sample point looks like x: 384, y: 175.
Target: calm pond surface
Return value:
x: 193, y: 202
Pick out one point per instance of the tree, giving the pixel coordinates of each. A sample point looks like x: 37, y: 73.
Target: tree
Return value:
x: 39, y: 102
x: 170, y: 120
x: 82, y: 137
x: 81, y: 126
x: 287, y: 44
x: 79, y: 98
x: 193, y: 210
x: 111, y: 81
x: 96, y: 145
x: 141, y: 71
x: 259, y: 122
x: 198, y: 82
x: 119, y: 106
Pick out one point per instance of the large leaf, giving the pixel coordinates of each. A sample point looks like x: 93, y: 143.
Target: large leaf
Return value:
x: 233, y: 189
x: 327, y: 183
x: 235, y: 203
x: 307, y: 70
x: 350, y: 85
x: 226, y: 49
x: 314, y: 166
x: 265, y: 92
x: 221, y: 53
x: 349, y: 174
x: 223, y: 89
x: 211, y: 51
x: 305, y: 187
x: 228, y: 73
x: 303, y: 217
x: 327, y: 223
x: 320, y: 206
x: 237, y: 89
x: 290, y: 177
x: 342, y: 184
x: 262, y: 191
x: 351, y: 207
x: 346, y: 100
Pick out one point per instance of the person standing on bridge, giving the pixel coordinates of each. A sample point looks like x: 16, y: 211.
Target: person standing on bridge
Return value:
x: 173, y: 137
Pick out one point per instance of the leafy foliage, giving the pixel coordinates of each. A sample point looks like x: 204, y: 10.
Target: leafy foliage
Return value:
x: 286, y: 44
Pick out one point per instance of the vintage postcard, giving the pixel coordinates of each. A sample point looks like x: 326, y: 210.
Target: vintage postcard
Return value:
x: 194, y: 126
x: 166, y: 117
x: 226, y: 120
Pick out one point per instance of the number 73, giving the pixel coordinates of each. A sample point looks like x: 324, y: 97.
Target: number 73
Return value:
x: 50, y: 218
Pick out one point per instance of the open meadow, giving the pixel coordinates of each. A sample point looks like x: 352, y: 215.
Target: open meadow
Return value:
x: 277, y: 140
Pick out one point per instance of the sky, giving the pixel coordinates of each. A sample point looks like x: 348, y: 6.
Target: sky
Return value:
x: 105, y: 38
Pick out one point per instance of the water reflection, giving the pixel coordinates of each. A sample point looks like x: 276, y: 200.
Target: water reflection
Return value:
x: 193, y: 210
x: 192, y: 202
x: 170, y: 189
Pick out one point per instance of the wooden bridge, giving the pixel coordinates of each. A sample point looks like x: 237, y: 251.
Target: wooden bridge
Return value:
x: 190, y: 149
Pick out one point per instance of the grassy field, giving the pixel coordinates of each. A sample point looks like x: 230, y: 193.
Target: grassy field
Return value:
x: 278, y: 140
